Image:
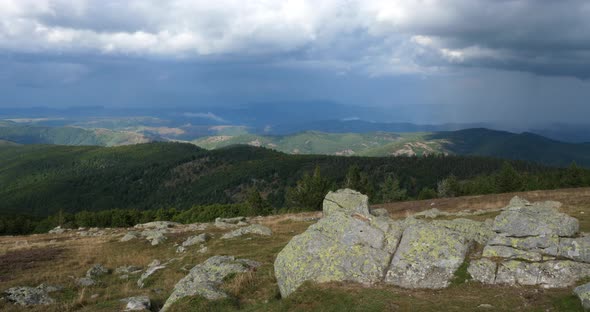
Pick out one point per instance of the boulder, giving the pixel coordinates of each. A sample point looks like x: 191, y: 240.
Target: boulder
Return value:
x: 583, y: 292
x: 535, y: 220
x: 577, y: 249
x: 427, y: 257
x: 511, y: 253
x: 96, y: 271
x: 204, y: 279
x: 257, y: 229
x: 337, y: 248
x: 85, y: 282
x: 157, y: 225
x: 197, y: 239
x: 346, y: 201
x: 152, y: 268
x: 545, y: 244
x: 131, y: 235
x: 139, y: 303
x: 549, y: 274
x: 228, y: 223
x: 483, y: 271
x: 27, y: 296
x: 155, y: 237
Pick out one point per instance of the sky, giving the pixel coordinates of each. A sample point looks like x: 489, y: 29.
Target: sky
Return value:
x: 426, y: 61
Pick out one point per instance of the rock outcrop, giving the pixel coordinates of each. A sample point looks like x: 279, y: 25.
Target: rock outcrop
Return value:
x: 346, y: 201
x: 151, y: 269
x: 204, y: 279
x: 257, y: 229
x: 527, y: 244
x: 535, y: 244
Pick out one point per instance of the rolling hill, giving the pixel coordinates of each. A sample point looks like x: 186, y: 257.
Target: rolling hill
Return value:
x: 42, y: 179
x: 27, y: 134
x: 480, y: 142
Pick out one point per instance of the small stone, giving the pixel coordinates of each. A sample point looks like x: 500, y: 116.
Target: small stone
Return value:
x: 96, y: 271
x: 27, y: 296
x: 485, y: 306
x: 130, y: 236
x: 94, y: 296
x: 380, y: 212
x: 139, y: 303
x: 583, y: 292
x: 152, y: 268
x: 197, y: 239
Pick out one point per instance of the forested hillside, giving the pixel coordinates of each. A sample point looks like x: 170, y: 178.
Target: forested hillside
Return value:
x: 41, y: 179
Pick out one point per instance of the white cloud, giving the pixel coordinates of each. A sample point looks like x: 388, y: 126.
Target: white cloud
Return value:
x: 208, y: 115
x: 378, y: 36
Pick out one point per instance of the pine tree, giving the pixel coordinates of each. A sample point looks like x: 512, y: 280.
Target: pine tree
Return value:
x: 508, y: 180
x: 391, y: 190
x: 309, y: 192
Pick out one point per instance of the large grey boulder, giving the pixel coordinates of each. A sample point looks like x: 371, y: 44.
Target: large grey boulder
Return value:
x: 545, y: 244
x: 583, y: 292
x: 196, y: 239
x: 139, y: 303
x: 85, y: 282
x: 535, y: 220
x: 549, y: 274
x: 27, y: 296
x: 577, y: 249
x: 427, y: 257
x: 204, y: 279
x: 346, y: 201
x: 155, y: 237
x: 131, y: 235
x: 336, y: 248
x: 257, y: 229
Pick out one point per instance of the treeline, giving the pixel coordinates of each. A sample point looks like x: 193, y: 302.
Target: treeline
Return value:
x: 254, y: 205
x: 307, y: 195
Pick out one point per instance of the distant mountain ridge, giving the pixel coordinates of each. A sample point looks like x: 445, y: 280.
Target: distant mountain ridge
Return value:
x: 477, y: 141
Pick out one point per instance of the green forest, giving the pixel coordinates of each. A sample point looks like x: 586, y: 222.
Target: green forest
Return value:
x: 46, y: 185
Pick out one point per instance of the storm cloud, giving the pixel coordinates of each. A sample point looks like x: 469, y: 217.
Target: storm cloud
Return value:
x: 375, y: 36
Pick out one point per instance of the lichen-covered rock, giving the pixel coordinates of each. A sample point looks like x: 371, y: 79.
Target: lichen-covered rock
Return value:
x: 535, y: 220
x: 257, y: 229
x: 57, y: 230
x: 577, y: 249
x: 197, y: 239
x: 583, y: 292
x: 151, y: 269
x: 427, y: 257
x: 546, y: 244
x: 337, y: 248
x: 510, y: 253
x: 483, y: 271
x: 549, y: 274
x: 480, y: 232
x: 204, y: 279
x: 346, y: 201
x: 155, y: 237
x: 139, y: 303
x: 96, y: 271
x: 228, y: 223
x: 26, y: 296
x: 131, y: 235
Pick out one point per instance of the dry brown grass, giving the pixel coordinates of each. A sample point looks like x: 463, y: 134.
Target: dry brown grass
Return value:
x: 59, y: 259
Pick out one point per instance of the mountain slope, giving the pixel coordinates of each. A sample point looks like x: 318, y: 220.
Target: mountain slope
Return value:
x: 25, y: 134
x: 41, y: 179
x: 480, y: 142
